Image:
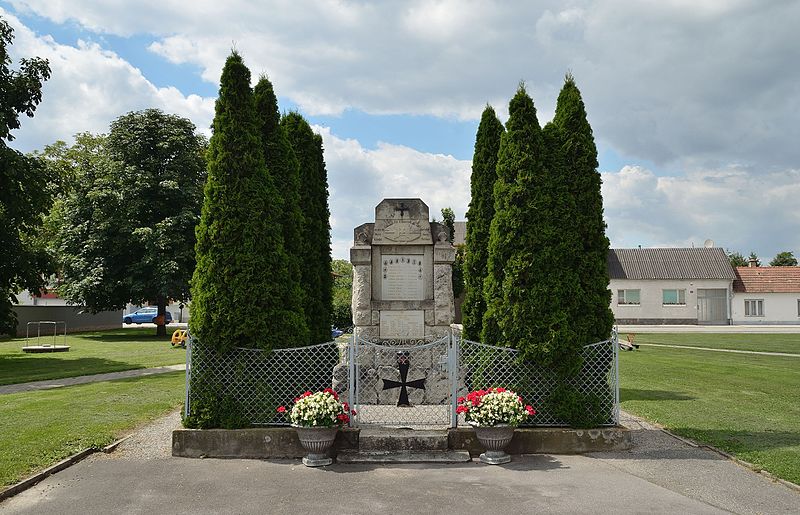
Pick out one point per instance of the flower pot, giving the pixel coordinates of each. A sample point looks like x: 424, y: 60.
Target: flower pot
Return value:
x: 316, y: 441
x: 495, y: 439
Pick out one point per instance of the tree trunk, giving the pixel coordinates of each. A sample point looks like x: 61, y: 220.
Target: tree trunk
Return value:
x: 161, y: 317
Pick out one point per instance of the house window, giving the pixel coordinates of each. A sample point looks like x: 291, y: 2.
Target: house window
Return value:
x: 628, y: 297
x: 754, y: 308
x: 673, y: 297
x: 798, y: 307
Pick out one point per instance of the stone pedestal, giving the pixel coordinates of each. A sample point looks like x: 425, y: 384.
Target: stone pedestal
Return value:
x: 402, y: 274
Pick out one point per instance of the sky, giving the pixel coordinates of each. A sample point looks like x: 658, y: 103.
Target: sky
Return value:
x: 695, y: 106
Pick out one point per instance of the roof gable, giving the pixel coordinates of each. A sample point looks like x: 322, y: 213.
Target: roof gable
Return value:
x: 669, y: 263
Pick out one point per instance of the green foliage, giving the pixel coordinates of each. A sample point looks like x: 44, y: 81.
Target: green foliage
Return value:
x: 584, y: 225
x: 316, y: 278
x: 211, y: 411
x: 736, y: 259
x: 342, y: 315
x: 578, y: 409
x: 239, y: 285
x: 479, y: 219
x: 26, y: 188
x: 754, y: 257
x: 785, y: 258
x: 284, y: 169
x: 126, y: 225
x: 449, y: 220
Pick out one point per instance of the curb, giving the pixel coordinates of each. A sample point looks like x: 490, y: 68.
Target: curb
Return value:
x: 23, y: 485
x: 740, y: 462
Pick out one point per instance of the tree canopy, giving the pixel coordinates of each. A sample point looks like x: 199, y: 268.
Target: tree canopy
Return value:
x: 785, y: 258
x: 239, y: 285
x: 736, y: 259
x: 126, y: 229
x: 479, y: 219
x: 27, y: 187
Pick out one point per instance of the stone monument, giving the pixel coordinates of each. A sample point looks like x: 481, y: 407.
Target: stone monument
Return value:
x: 402, y: 274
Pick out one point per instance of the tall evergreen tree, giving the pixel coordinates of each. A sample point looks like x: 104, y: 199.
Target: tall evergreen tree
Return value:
x: 238, y: 288
x: 284, y: 168
x: 573, y: 143
x: 530, y: 291
x: 316, y: 278
x: 479, y: 219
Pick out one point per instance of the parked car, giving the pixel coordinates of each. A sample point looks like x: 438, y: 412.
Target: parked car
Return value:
x: 335, y: 333
x: 145, y: 315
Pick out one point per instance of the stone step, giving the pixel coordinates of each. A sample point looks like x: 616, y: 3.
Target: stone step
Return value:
x: 385, y: 458
x: 390, y: 440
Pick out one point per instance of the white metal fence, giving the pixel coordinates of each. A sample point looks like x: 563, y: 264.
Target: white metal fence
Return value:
x: 378, y: 376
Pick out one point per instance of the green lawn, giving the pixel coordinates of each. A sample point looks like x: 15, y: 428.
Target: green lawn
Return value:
x: 90, y: 353
x: 747, y: 405
x: 758, y: 342
x: 41, y: 428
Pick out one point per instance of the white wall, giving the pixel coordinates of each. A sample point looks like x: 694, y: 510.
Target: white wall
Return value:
x: 651, y: 301
x: 779, y: 308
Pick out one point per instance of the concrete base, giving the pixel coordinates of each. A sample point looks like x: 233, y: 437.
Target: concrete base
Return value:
x: 403, y: 457
x: 309, y: 461
x: 282, y: 442
x: 549, y: 440
x: 495, y: 458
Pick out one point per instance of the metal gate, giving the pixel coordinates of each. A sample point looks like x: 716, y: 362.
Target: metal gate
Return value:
x: 712, y: 306
x: 403, y: 383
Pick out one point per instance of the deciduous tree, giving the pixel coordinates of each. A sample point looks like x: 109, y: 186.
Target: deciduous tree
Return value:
x: 785, y: 258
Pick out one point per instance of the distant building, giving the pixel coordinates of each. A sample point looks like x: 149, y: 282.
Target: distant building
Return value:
x: 766, y: 295
x: 670, y: 286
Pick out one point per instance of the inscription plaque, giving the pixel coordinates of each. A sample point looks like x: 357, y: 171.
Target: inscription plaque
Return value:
x: 408, y: 324
x: 402, y: 277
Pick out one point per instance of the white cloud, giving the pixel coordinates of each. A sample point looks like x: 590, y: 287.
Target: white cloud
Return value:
x: 360, y: 178
x: 89, y: 87
x: 735, y: 207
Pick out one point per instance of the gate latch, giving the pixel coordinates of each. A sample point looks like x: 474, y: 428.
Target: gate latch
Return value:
x: 443, y: 362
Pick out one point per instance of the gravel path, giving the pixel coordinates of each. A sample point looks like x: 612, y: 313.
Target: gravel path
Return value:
x: 94, y: 378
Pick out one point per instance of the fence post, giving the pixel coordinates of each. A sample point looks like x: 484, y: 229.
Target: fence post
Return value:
x: 188, y: 375
x: 452, y: 366
x: 351, y: 376
x: 615, y: 344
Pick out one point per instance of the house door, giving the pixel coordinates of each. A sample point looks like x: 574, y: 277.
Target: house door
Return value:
x: 712, y: 306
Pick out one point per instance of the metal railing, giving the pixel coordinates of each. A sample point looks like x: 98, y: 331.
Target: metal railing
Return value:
x: 367, y: 373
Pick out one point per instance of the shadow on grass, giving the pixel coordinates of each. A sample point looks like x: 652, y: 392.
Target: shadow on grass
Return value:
x: 132, y: 336
x: 741, y: 440
x: 636, y: 394
x: 26, y: 368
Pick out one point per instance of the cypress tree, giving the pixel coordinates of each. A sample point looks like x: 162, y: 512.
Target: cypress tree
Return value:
x: 238, y: 288
x: 284, y: 169
x: 315, y: 265
x: 479, y: 219
x: 530, y: 289
x: 574, y: 142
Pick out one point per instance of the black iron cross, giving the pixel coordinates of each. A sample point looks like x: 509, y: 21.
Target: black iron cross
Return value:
x: 403, y: 384
x: 402, y: 208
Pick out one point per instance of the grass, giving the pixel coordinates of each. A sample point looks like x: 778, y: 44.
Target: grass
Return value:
x: 41, y: 428
x: 90, y: 353
x: 746, y: 405
x: 758, y: 342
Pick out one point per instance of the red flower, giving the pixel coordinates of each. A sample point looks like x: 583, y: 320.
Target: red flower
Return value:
x: 461, y: 409
x: 343, y: 417
x: 306, y: 394
x: 281, y: 409
x: 346, y: 406
x: 499, y: 390
x: 530, y: 410
x: 461, y: 399
x: 330, y: 391
x: 296, y: 399
x: 519, y: 398
x: 353, y: 412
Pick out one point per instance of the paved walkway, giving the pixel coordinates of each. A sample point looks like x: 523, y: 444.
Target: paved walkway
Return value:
x: 761, y: 353
x: 660, y: 475
x: 70, y: 381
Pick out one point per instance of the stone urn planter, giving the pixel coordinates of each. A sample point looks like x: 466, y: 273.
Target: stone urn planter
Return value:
x: 317, y: 441
x: 495, y: 439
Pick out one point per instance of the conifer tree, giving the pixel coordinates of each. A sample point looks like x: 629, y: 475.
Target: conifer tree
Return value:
x: 530, y: 291
x: 574, y: 143
x: 479, y: 219
x: 238, y: 288
x: 283, y: 167
x: 315, y: 266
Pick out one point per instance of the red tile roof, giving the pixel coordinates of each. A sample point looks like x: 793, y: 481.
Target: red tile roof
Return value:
x: 767, y: 279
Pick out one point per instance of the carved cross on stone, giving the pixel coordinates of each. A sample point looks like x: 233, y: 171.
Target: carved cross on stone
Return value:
x: 402, y: 208
x: 403, y: 384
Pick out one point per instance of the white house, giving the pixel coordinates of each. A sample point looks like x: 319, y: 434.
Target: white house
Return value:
x: 766, y: 295
x: 670, y: 286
